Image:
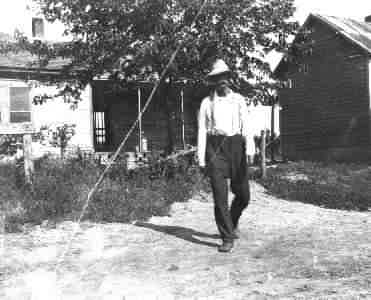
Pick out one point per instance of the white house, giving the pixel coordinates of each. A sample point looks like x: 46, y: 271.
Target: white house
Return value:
x: 16, y: 94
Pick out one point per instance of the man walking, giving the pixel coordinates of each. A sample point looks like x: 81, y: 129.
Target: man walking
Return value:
x: 222, y: 150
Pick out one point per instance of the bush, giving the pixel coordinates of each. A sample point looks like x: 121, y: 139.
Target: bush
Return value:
x: 60, y: 189
x: 9, y: 142
x: 330, y: 185
x: 11, y: 197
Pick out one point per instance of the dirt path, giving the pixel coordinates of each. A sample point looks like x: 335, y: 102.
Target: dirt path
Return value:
x: 288, y: 250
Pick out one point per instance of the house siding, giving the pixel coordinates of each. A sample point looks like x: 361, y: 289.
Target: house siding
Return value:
x: 52, y: 113
x: 56, y: 112
x: 17, y: 15
x: 327, y: 107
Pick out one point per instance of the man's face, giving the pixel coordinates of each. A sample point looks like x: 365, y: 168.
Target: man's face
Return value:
x: 220, y: 83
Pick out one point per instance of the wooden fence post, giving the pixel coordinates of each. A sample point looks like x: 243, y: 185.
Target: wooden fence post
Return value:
x: 27, y: 155
x: 262, y: 153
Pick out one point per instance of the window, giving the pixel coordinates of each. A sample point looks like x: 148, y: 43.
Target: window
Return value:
x: 20, y: 106
x: 100, y: 132
x: 37, y: 28
x: 289, y: 83
x: 305, y: 68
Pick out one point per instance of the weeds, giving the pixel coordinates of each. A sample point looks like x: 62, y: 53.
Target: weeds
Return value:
x: 336, y: 186
x: 60, y: 187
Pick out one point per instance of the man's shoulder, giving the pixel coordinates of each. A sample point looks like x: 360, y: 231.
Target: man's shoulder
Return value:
x: 238, y: 97
x: 206, y: 100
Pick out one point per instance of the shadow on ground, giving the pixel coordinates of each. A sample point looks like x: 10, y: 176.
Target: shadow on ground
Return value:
x: 184, y: 233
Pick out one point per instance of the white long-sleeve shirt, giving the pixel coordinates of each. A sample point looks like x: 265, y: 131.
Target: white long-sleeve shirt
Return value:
x: 227, y: 115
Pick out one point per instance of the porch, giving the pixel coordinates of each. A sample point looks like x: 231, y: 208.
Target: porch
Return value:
x: 115, y: 109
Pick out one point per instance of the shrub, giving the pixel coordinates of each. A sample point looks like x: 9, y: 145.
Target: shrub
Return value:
x: 9, y: 142
x: 60, y: 135
x: 11, y: 197
x: 57, y: 187
x: 60, y: 189
x: 330, y: 185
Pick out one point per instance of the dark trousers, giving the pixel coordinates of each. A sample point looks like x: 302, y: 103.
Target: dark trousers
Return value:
x: 226, y: 158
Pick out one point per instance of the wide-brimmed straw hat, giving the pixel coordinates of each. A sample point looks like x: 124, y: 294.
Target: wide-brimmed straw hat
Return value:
x: 218, y: 68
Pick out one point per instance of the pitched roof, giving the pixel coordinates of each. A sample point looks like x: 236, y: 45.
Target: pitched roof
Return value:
x: 25, y: 60
x: 357, y: 32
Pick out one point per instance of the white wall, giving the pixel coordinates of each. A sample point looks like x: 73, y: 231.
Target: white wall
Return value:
x: 260, y: 118
x: 56, y: 112
x: 18, y: 14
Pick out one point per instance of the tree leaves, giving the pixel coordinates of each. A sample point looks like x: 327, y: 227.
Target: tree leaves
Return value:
x: 145, y: 33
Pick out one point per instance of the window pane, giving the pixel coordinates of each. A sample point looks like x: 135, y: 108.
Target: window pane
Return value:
x: 20, y: 116
x: 37, y: 27
x: 19, y: 99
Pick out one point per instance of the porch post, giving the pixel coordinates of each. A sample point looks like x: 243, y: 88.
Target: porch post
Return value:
x: 140, y: 118
x: 89, y: 88
x: 272, y: 132
x: 182, y: 116
x: 263, y: 165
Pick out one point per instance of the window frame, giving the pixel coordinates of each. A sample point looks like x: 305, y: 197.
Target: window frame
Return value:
x: 29, y: 111
x: 100, y: 128
x: 305, y: 68
x: 38, y: 32
x: 6, y: 110
x: 290, y: 83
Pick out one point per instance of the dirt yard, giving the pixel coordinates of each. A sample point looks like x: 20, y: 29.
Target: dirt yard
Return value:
x: 287, y: 250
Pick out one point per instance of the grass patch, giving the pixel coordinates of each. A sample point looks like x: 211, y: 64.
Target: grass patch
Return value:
x: 60, y: 187
x: 330, y: 185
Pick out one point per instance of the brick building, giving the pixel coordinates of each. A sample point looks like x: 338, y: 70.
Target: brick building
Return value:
x: 325, y: 105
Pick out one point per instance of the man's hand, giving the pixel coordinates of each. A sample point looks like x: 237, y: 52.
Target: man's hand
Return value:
x: 199, y: 162
x: 201, y: 165
x: 249, y: 159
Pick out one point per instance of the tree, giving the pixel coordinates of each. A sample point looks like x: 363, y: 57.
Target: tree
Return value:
x: 134, y: 39
x: 60, y: 135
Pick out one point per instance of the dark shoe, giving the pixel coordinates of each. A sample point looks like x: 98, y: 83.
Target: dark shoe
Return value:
x: 226, y: 247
